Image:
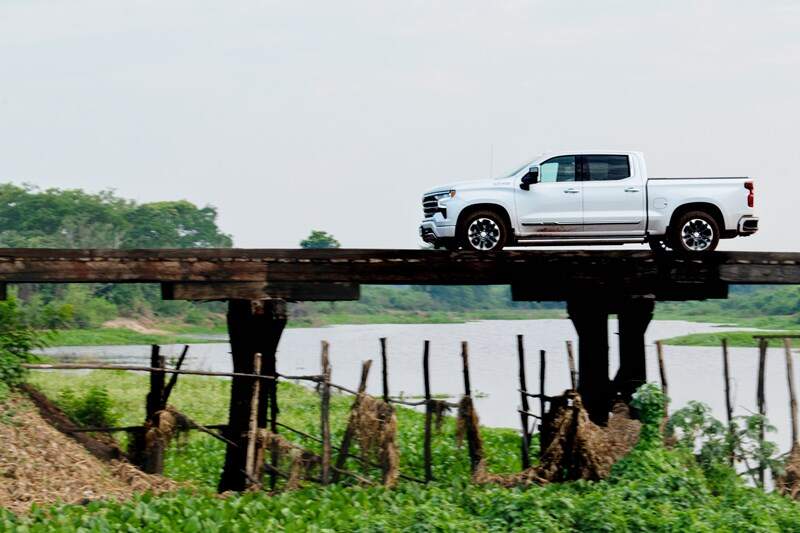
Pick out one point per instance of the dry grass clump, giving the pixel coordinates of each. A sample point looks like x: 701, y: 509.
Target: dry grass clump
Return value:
x: 301, y: 462
x: 789, y: 482
x: 41, y: 465
x: 573, y: 447
x: 374, y: 425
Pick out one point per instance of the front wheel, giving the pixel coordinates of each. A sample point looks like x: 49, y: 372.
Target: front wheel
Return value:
x: 695, y: 232
x: 484, y: 231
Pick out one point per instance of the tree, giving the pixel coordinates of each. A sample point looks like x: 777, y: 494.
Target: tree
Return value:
x: 319, y: 239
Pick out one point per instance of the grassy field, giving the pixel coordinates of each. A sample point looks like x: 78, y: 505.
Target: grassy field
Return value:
x: 651, y: 490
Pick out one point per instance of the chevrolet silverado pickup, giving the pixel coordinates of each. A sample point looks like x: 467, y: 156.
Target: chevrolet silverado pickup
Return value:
x: 589, y: 197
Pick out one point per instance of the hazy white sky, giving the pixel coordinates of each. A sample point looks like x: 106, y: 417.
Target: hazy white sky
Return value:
x: 289, y: 116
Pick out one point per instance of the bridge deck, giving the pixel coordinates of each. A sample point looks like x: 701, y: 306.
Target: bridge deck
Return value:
x: 632, y: 271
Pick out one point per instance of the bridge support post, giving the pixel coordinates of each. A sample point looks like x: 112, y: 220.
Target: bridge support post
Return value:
x: 634, y: 317
x: 254, y: 326
x: 590, y: 318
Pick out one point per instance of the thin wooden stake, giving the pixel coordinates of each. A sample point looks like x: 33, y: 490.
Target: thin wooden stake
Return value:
x: 174, y: 377
x: 156, y: 394
x: 542, y: 374
x: 523, y: 386
x: 347, y: 438
x: 573, y: 373
x: 662, y: 371
x: 325, y: 392
x: 787, y: 347
x: 762, y: 404
x: 427, y: 454
x: 465, y: 368
x: 252, y: 467
x: 728, y: 405
x: 384, y: 370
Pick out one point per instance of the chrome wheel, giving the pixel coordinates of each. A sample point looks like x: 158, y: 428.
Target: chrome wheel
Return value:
x: 483, y: 234
x: 697, y: 234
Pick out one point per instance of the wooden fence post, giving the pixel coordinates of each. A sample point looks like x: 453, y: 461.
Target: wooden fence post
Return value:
x: 787, y: 347
x: 347, y: 438
x: 252, y: 468
x: 542, y: 374
x: 384, y: 370
x: 761, y: 401
x: 152, y: 455
x: 427, y: 458
x: 573, y: 373
x: 325, y: 392
x: 473, y: 439
x: 728, y: 406
x: 662, y: 372
x: 523, y: 387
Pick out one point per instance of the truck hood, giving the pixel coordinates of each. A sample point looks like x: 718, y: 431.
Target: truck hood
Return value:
x: 472, y: 185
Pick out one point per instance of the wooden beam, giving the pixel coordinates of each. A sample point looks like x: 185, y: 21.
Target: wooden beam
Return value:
x: 637, y: 272
x: 260, y: 290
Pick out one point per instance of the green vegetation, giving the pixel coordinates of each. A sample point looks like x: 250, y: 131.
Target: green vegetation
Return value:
x: 92, y: 408
x: 319, y: 239
x: 117, y: 336
x: 740, y: 339
x: 17, y: 340
x: 652, y: 489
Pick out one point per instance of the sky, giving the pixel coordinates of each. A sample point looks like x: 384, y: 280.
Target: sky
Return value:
x: 292, y: 116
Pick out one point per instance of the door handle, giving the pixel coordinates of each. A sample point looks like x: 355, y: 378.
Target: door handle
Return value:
x: 632, y: 189
x: 571, y: 191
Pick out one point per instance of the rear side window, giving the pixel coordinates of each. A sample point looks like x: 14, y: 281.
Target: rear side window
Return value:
x: 557, y: 169
x: 607, y: 167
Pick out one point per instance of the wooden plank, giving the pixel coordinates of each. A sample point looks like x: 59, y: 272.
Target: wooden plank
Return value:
x: 260, y: 290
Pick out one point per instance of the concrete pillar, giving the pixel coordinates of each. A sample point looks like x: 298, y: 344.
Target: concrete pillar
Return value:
x: 634, y: 317
x: 254, y: 326
x: 590, y: 318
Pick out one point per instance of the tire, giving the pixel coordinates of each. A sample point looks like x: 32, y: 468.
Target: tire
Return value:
x: 694, y: 233
x: 483, y: 231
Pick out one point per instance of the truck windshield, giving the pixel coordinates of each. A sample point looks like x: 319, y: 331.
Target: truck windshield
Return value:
x: 517, y: 170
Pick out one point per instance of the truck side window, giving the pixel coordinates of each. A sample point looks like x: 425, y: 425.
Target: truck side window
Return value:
x: 607, y: 167
x: 559, y: 169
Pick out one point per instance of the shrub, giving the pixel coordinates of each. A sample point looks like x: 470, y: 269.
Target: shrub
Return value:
x: 16, y: 342
x: 93, y: 408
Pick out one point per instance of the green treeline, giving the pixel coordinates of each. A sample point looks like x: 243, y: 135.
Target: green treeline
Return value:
x: 34, y: 218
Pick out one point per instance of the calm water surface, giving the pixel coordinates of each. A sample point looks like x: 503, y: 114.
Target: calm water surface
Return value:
x: 693, y: 373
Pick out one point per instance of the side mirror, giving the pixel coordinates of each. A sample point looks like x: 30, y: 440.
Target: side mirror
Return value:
x: 532, y: 177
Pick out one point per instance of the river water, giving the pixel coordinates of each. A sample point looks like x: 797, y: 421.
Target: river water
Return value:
x: 694, y: 373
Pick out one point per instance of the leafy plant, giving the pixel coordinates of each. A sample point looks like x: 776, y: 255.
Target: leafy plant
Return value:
x: 94, y: 408
x: 17, y: 340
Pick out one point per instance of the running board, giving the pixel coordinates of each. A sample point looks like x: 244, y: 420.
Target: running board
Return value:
x: 568, y: 241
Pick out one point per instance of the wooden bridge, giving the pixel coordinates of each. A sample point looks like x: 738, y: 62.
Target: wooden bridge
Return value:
x: 256, y: 283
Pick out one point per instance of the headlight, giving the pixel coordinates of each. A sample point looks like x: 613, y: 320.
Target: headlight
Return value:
x: 446, y: 194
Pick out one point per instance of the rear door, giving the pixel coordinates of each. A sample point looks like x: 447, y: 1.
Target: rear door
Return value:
x: 613, y: 195
x: 553, y: 205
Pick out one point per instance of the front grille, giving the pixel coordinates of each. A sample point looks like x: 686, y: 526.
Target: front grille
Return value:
x: 430, y: 205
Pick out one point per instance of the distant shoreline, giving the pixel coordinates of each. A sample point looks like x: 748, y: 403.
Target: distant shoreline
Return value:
x: 194, y: 334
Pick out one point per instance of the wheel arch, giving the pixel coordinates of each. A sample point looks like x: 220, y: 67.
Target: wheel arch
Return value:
x: 485, y: 206
x: 706, y: 207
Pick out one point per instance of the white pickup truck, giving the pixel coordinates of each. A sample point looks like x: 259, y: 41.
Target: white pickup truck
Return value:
x: 588, y: 197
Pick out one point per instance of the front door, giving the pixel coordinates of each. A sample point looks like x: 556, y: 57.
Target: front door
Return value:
x: 613, y: 196
x: 554, y: 204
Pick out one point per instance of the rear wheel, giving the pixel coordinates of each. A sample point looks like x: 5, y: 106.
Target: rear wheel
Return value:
x: 694, y: 233
x: 483, y: 231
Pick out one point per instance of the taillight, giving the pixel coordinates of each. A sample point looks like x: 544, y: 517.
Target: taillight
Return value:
x: 751, y: 195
